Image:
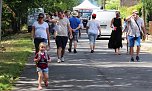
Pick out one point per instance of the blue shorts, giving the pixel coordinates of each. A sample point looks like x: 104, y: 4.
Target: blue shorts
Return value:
x: 42, y: 70
x: 92, y: 38
x: 75, y: 36
x: 134, y: 41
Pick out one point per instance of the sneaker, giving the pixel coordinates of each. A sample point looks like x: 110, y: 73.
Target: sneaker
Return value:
x: 62, y: 59
x: 75, y: 51
x: 46, y: 84
x: 69, y: 50
x: 137, y: 59
x: 92, y: 51
x: 59, y: 60
x: 132, y: 59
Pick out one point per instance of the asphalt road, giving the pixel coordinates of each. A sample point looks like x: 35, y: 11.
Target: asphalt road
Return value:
x: 98, y: 71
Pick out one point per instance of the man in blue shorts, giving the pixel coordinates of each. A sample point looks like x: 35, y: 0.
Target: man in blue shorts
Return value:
x: 135, y: 28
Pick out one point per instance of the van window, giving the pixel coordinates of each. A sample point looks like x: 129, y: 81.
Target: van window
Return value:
x: 104, y: 17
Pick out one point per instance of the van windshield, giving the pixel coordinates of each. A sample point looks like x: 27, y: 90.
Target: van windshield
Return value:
x: 86, y: 15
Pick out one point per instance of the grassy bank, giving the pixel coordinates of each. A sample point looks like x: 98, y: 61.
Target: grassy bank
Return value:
x: 12, y: 60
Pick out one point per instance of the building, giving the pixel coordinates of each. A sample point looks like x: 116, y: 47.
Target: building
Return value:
x: 128, y: 3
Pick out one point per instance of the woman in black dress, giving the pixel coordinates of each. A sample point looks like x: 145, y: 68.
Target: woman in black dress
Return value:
x: 115, y: 41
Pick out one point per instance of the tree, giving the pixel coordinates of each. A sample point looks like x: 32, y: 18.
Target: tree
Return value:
x: 148, y: 5
x: 112, y: 4
x: 15, y: 11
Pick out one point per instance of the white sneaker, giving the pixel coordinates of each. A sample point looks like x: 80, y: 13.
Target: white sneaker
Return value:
x: 59, y: 60
x: 62, y: 59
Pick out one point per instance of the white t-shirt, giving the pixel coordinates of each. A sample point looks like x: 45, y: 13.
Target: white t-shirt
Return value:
x: 93, y: 26
x: 133, y: 27
x: 40, y: 29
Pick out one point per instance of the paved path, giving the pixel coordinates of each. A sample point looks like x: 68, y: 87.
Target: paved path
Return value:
x: 100, y: 71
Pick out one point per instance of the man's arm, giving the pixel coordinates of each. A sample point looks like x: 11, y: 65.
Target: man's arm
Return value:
x: 128, y: 18
x: 69, y: 29
x: 99, y: 28
x: 144, y: 32
x: 77, y: 27
x: 144, y: 29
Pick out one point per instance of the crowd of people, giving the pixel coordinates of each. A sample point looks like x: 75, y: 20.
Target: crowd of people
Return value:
x: 66, y: 25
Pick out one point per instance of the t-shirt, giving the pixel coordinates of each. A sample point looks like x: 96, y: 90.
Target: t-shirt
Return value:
x: 133, y: 27
x: 93, y: 26
x: 62, y: 27
x: 74, y: 23
x: 40, y: 29
x: 42, y: 63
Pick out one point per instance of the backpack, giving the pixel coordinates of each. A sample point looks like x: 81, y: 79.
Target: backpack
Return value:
x: 42, y: 63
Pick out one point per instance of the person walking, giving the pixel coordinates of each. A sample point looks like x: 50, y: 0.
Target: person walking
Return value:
x: 115, y: 41
x: 42, y: 59
x: 75, y: 25
x: 61, y: 35
x: 67, y: 14
x: 40, y: 32
x: 125, y: 30
x: 136, y: 28
x: 81, y: 24
x: 93, y: 28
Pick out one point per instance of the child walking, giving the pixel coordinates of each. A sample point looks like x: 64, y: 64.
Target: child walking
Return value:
x: 42, y: 59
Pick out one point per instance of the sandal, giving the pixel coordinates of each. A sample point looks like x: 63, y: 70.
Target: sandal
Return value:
x: 46, y: 84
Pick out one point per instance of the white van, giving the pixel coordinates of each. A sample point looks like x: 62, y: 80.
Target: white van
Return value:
x: 104, y: 17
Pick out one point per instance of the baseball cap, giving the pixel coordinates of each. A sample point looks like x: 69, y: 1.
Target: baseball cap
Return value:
x: 94, y: 15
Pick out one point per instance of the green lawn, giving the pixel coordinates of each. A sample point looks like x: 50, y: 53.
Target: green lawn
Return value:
x: 18, y: 49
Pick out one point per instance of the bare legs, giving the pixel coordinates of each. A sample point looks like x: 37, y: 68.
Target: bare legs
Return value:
x: 70, y: 46
x: 132, y: 51
x: 92, y: 46
x: 60, y: 52
x: 40, y: 79
x: 117, y: 51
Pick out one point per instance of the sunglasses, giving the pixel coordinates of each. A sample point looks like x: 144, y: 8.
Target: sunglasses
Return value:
x: 40, y: 17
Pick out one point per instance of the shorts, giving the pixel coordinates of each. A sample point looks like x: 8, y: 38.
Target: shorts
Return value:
x: 92, y: 38
x: 75, y: 36
x: 61, y: 41
x: 134, y: 41
x: 42, y: 70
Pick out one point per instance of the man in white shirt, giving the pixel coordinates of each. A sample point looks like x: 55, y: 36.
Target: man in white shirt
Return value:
x: 61, y: 35
x: 135, y: 26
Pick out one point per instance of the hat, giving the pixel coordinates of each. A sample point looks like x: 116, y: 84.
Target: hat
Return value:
x: 74, y: 13
x: 41, y: 15
x: 94, y: 15
x: 135, y: 11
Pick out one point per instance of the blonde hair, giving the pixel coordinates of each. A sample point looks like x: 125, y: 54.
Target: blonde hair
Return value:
x: 42, y: 44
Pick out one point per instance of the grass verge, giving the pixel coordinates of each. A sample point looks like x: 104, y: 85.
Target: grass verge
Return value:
x: 12, y: 61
